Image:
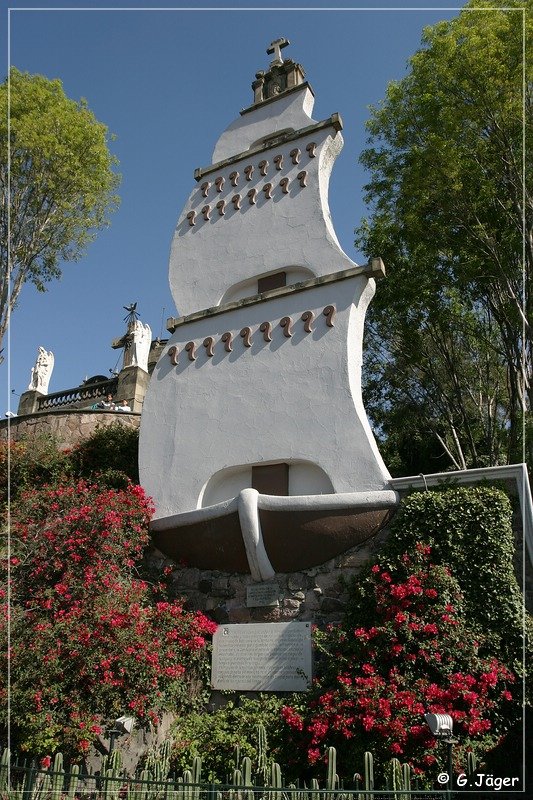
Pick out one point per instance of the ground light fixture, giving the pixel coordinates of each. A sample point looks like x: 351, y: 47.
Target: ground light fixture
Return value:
x: 120, y: 726
x: 441, y: 726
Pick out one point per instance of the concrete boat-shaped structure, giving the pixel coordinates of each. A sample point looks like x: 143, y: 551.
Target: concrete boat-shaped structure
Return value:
x: 255, y: 444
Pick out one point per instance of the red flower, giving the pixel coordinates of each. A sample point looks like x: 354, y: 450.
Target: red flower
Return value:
x: 293, y: 719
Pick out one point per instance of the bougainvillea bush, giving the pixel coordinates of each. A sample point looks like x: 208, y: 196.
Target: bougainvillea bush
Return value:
x: 91, y: 640
x: 404, y: 650
x: 470, y: 530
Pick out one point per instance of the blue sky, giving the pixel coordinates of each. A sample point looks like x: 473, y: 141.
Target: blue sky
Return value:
x: 166, y: 83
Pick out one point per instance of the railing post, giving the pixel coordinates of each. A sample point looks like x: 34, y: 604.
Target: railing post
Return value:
x: 29, y: 402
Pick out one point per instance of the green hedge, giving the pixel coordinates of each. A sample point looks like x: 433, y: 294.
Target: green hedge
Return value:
x: 470, y: 530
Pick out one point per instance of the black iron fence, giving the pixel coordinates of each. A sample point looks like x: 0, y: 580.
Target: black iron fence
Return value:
x: 29, y: 779
x: 27, y: 783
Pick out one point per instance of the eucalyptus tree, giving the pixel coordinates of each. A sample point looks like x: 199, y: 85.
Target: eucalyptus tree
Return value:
x: 57, y: 183
x: 451, y: 213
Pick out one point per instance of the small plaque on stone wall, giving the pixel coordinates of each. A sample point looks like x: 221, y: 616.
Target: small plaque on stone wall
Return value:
x: 260, y: 595
x: 262, y: 657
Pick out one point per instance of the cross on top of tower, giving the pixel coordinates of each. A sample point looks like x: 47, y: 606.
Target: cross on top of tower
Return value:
x: 275, y: 48
x: 281, y: 76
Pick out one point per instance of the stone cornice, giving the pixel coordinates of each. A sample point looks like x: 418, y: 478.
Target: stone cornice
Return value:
x: 334, y: 121
x: 374, y: 269
x: 282, y: 95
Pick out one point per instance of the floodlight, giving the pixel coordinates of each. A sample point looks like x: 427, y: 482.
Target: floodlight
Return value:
x: 125, y: 724
x: 440, y: 725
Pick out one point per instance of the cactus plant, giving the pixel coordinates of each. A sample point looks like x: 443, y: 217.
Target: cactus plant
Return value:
x: 393, y: 775
x: 275, y: 782
x: 332, y: 769
x: 111, y: 784
x: 43, y: 787
x: 5, y: 763
x: 406, y: 770
x: 369, y: 772
x: 262, y: 748
x: 73, y: 781
x: 315, y: 788
x: 471, y: 763
x: 58, y: 777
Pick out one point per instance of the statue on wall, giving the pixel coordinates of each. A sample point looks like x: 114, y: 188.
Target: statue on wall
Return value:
x: 140, y: 345
x: 136, y: 341
x: 42, y: 371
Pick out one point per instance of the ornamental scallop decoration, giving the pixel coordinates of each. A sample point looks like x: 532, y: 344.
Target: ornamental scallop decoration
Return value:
x: 227, y: 338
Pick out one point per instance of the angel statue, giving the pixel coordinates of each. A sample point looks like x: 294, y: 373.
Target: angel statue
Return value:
x: 142, y: 339
x: 42, y: 371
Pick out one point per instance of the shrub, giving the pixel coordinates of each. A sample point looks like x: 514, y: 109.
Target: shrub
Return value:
x: 470, y: 531
x: 31, y: 462
x: 109, y: 455
x: 405, y: 649
x: 224, y: 737
x: 90, y: 640
x: 109, y: 452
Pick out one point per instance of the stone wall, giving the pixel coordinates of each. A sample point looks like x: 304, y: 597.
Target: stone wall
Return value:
x: 67, y: 427
x: 317, y: 595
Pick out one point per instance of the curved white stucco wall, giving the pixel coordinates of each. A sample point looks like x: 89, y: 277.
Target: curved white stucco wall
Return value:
x: 288, y: 112
x: 291, y: 227
x: 296, y: 399
x: 290, y: 400
x: 304, y: 478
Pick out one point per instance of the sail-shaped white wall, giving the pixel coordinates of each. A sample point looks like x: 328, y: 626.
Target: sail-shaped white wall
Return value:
x: 254, y: 376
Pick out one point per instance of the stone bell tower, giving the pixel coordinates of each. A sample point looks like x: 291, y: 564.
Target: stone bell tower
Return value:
x: 281, y: 76
x: 255, y: 444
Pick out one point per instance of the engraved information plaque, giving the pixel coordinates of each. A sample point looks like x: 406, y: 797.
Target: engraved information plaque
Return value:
x: 262, y: 657
x: 263, y: 595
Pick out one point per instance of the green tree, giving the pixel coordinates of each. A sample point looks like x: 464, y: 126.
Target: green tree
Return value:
x: 449, y: 339
x: 56, y: 183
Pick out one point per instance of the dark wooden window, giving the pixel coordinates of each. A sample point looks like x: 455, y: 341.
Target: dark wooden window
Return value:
x: 272, y: 282
x: 271, y: 479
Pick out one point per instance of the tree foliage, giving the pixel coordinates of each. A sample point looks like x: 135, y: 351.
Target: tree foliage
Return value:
x: 449, y: 339
x: 56, y: 189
